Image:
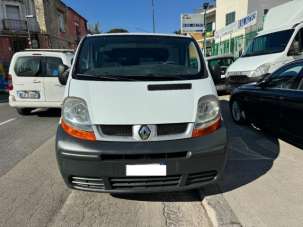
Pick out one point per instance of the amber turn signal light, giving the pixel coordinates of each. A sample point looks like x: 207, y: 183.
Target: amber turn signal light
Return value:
x: 208, y: 130
x: 80, y: 134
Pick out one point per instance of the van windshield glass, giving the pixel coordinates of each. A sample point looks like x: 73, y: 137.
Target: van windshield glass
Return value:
x: 135, y: 57
x: 269, y: 44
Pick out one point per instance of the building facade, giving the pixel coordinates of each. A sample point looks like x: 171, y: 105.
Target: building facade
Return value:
x: 17, y: 18
x: 61, y: 26
x: 230, y: 12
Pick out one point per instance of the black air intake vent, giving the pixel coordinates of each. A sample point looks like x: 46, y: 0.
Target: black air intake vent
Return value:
x: 93, y: 184
x: 196, y: 178
x: 169, y: 87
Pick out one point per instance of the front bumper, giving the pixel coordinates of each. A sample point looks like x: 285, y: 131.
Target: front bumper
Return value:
x: 232, y: 84
x: 101, y: 166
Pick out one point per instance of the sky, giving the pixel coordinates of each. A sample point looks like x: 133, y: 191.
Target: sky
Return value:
x: 135, y: 15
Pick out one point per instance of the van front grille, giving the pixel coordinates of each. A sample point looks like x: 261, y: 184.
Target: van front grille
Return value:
x: 197, y: 178
x: 238, y: 79
x: 127, y: 130
x: 169, y: 129
x: 117, y: 130
x: 156, y: 156
x: 144, y: 182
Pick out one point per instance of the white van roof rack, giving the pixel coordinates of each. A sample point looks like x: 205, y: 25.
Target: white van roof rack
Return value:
x: 53, y: 50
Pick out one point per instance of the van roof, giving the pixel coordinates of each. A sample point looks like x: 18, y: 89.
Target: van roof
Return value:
x: 283, y: 17
x: 51, y: 50
x: 139, y: 34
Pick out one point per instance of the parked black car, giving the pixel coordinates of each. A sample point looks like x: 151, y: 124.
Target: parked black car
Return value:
x: 275, y: 103
x: 217, y: 66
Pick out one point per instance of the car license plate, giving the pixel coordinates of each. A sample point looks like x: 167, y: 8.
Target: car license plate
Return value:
x: 146, y: 170
x: 223, y: 76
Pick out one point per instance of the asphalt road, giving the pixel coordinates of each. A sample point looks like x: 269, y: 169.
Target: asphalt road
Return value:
x: 262, y: 183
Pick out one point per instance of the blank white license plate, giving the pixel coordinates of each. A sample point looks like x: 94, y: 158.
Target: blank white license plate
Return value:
x: 146, y: 170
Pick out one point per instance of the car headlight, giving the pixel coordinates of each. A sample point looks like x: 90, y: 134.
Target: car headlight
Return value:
x: 208, y: 117
x: 76, y: 120
x: 261, y: 70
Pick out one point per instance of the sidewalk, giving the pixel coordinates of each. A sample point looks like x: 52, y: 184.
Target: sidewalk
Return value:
x: 263, y: 184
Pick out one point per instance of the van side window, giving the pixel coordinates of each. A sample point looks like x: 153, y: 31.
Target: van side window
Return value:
x: 28, y: 67
x: 299, y: 39
x: 52, y: 66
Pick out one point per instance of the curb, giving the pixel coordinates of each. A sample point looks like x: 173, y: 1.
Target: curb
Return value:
x: 217, y: 208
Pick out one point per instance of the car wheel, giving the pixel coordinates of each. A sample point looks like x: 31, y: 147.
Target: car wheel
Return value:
x: 237, y: 113
x: 24, y: 111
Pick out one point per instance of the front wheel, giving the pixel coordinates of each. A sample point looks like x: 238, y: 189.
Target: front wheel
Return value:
x: 237, y: 113
x: 24, y: 111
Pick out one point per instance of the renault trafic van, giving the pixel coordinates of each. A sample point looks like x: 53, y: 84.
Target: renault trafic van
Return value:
x: 34, y: 79
x: 140, y: 114
x: 280, y: 42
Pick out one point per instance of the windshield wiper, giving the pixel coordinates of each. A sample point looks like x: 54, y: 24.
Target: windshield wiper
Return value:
x: 108, y: 77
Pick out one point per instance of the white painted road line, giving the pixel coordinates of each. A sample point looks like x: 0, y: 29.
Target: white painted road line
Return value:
x: 5, y: 122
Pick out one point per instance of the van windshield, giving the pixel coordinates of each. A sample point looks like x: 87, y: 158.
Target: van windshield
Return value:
x: 268, y: 44
x: 138, y: 57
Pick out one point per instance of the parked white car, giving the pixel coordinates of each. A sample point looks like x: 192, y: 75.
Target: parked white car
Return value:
x: 35, y: 79
x: 141, y: 114
x: 280, y: 42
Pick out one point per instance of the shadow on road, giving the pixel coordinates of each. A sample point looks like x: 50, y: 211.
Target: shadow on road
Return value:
x: 47, y: 112
x: 188, y: 196
x: 251, y: 154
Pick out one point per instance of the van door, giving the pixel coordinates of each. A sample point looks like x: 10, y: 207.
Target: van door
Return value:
x: 54, y: 91
x: 28, y: 79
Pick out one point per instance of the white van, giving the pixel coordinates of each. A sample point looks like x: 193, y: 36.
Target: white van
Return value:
x: 140, y: 114
x: 280, y: 42
x: 35, y: 79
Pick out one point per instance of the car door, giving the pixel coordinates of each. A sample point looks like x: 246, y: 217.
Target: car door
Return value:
x: 28, y: 79
x: 283, y: 85
x: 292, y: 109
x: 262, y: 105
x: 54, y: 91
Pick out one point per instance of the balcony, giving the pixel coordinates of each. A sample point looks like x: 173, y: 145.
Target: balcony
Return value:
x: 11, y: 25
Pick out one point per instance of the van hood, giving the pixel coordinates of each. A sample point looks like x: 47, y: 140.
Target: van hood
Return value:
x: 121, y: 103
x: 252, y: 63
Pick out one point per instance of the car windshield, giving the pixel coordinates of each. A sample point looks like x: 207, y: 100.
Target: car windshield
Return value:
x: 269, y: 44
x: 222, y: 62
x: 138, y: 57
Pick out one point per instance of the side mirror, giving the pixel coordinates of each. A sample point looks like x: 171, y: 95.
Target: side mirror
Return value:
x: 63, y: 74
x: 263, y: 82
x: 294, y: 49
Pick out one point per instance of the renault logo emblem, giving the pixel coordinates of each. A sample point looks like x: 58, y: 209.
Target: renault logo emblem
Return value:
x: 144, y: 132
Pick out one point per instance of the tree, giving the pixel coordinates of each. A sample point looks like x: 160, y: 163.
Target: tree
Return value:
x: 178, y: 32
x: 94, y: 28
x: 117, y: 30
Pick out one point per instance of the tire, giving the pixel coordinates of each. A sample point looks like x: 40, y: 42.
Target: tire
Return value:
x: 237, y: 113
x: 24, y: 111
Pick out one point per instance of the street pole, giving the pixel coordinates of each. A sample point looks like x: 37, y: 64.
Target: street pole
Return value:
x: 154, y: 24
x: 28, y: 31
x: 28, y: 34
x: 205, y: 7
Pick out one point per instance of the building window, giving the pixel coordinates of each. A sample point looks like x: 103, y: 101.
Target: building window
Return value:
x: 209, y: 27
x: 230, y: 18
x: 12, y: 12
x: 61, y: 22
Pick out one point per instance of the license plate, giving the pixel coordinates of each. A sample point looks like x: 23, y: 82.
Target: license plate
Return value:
x: 223, y: 76
x: 146, y: 170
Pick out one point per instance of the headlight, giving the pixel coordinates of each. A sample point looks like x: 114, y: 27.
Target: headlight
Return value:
x: 75, y: 119
x: 261, y: 70
x: 208, y: 116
